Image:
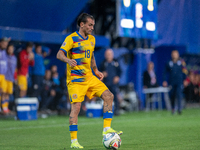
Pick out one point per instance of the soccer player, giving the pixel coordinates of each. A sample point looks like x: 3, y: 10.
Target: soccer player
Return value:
x: 25, y: 59
x: 77, y: 52
x: 3, y: 67
x: 12, y: 65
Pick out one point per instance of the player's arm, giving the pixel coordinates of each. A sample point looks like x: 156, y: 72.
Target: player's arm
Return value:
x: 95, y: 69
x: 61, y: 56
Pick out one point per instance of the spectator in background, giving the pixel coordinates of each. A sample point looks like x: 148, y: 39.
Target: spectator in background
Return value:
x: 25, y: 59
x: 149, y: 80
x: 54, y: 69
x: 176, y: 68
x: 196, y: 88
x: 191, y: 87
x: 38, y: 72
x: 3, y: 68
x: 48, y: 92
x: 59, y: 93
x: 149, y: 77
x: 111, y: 71
x: 64, y: 102
x: 12, y: 65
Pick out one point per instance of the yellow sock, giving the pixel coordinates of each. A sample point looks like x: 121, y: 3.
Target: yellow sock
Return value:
x: 0, y: 102
x: 107, y: 122
x: 73, y: 131
x: 73, y: 135
x: 5, y: 104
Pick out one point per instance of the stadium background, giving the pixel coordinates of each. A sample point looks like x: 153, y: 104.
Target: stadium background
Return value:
x: 49, y: 22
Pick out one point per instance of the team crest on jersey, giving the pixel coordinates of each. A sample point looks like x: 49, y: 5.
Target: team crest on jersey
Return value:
x: 74, y: 96
x: 79, y: 44
x: 64, y: 43
x: 92, y: 44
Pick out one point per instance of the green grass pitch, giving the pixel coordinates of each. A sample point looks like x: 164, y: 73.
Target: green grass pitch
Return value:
x: 154, y: 130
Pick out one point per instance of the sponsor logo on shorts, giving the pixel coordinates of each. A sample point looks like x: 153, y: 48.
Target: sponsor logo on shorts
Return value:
x: 74, y: 96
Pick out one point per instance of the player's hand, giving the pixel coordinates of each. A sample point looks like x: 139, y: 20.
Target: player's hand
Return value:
x: 31, y: 56
x: 165, y: 83
x: 105, y: 73
x: 115, y: 79
x: 99, y: 75
x: 53, y: 93
x: 72, y: 62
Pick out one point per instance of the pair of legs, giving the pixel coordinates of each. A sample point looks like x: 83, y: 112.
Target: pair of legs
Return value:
x: 91, y: 88
x: 2, y: 98
x: 107, y: 96
x: 37, y: 81
x: 23, y: 85
x: 176, y: 92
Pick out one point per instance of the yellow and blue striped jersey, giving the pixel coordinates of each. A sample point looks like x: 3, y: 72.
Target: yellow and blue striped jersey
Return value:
x: 81, y: 50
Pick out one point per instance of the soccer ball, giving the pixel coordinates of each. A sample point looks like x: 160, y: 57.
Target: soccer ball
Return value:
x: 112, y: 141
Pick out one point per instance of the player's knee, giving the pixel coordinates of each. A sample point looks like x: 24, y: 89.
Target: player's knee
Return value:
x: 75, y: 108
x: 107, y: 95
x: 111, y: 96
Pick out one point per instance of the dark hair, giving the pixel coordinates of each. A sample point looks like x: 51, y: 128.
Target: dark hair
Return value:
x: 29, y: 44
x: 37, y: 45
x: 83, y: 18
x: 10, y: 45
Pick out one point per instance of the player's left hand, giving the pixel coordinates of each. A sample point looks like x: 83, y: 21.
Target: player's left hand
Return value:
x: 116, y: 80
x: 99, y: 75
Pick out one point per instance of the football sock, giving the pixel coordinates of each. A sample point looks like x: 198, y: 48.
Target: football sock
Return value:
x: 73, y: 132
x: 0, y: 102
x: 107, y: 118
x: 4, y: 104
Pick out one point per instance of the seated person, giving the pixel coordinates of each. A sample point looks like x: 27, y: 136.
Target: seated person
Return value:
x: 48, y: 92
x: 191, y: 87
x: 149, y: 77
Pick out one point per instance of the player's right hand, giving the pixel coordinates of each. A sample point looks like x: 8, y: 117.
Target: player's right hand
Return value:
x: 31, y: 56
x: 165, y: 83
x: 72, y: 62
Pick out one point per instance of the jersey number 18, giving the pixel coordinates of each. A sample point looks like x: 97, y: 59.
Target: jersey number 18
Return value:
x: 87, y: 53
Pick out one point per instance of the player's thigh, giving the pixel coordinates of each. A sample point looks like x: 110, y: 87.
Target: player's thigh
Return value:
x: 22, y: 82
x: 9, y: 87
x: 3, y: 84
x: 77, y: 92
x: 96, y: 88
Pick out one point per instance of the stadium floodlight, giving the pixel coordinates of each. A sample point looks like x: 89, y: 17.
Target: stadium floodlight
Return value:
x: 127, y: 23
x: 127, y: 3
x: 139, y: 23
x: 150, y: 26
x: 150, y: 6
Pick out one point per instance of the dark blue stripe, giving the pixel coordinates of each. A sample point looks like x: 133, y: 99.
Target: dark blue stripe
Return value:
x: 79, y: 80
x: 77, y: 50
x: 107, y: 115
x: 70, y: 98
x: 73, y: 128
x: 78, y: 72
x: 81, y: 36
x: 5, y: 101
x: 63, y: 50
x: 79, y: 61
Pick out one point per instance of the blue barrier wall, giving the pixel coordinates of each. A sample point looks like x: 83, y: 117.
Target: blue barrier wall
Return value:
x: 51, y: 15
x: 178, y: 24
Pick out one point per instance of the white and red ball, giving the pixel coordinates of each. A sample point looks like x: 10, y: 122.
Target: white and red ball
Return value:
x: 112, y: 141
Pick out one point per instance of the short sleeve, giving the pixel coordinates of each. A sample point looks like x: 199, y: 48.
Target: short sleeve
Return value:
x: 67, y: 44
x: 93, y: 42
